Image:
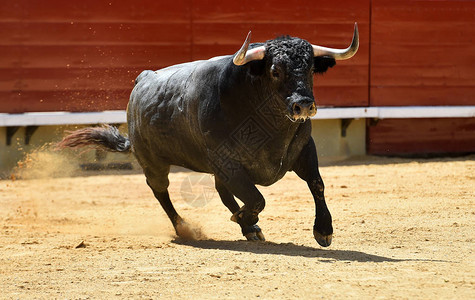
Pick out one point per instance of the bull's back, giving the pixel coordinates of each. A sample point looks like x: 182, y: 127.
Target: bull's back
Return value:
x: 163, y: 113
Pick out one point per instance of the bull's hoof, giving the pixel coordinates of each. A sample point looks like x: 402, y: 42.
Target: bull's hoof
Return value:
x: 254, y: 233
x: 255, y: 236
x: 322, y: 240
x: 251, y: 236
x: 260, y: 236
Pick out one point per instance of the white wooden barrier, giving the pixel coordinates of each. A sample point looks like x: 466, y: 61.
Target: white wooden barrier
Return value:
x: 323, y: 113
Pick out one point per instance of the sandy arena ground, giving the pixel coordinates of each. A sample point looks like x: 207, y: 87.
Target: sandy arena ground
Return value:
x: 403, y: 229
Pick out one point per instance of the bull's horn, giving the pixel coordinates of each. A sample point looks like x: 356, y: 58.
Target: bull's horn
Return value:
x: 339, y: 54
x: 244, y: 56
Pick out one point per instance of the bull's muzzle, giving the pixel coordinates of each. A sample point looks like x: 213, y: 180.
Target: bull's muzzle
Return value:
x: 303, y: 109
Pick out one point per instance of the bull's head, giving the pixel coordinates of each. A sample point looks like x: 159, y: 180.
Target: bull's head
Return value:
x: 289, y: 65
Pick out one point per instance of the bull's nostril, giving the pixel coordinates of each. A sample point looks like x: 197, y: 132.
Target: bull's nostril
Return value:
x: 312, y: 108
x: 297, y: 109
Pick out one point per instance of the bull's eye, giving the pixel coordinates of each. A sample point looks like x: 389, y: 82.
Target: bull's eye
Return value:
x: 274, y: 72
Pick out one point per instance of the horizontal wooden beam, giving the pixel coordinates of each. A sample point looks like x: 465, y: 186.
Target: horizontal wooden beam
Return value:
x: 324, y: 113
x: 396, y: 112
x: 62, y: 118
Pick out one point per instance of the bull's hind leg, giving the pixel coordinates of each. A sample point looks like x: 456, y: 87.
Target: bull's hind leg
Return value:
x: 251, y: 232
x: 157, y: 180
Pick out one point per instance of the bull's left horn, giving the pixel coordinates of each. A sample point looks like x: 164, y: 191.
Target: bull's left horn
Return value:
x: 243, y: 56
x: 339, y: 54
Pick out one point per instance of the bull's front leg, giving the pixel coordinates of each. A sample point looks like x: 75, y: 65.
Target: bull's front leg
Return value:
x: 232, y: 180
x: 248, y: 215
x: 251, y: 232
x: 306, y: 167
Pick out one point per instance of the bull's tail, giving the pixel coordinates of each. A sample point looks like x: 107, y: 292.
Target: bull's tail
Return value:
x: 105, y: 137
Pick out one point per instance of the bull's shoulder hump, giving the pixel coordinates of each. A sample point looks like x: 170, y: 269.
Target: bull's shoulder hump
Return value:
x: 144, y: 74
x: 183, y: 70
x: 194, y: 64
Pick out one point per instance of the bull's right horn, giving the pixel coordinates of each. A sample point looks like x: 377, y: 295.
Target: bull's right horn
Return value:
x: 339, y: 54
x: 243, y: 56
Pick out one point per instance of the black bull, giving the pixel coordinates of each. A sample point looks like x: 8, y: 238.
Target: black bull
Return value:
x: 243, y: 118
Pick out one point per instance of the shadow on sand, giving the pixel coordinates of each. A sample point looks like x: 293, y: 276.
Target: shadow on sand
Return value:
x: 290, y: 249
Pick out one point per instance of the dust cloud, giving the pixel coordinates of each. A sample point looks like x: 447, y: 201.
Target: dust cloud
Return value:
x: 190, y: 231
x: 45, y: 162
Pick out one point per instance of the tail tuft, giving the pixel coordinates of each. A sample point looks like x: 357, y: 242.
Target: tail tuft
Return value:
x: 105, y: 137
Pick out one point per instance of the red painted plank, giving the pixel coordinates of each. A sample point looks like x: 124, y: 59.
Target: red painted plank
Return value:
x: 64, y: 100
x: 280, y: 11
x: 93, y: 10
x: 417, y: 136
x: 431, y: 11
x: 408, y: 31
x: 341, y: 96
x: 431, y: 95
x: 430, y: 75
x: 39, y: 79
x: 87, y: 33
x: 99, y: 56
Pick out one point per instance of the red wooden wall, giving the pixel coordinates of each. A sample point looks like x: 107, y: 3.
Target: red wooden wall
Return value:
x: 418, y: 136
x: 84, y: 55
x: 422, y: 53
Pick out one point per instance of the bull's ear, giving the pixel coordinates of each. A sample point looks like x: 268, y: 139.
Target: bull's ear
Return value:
x: 322, y: 63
